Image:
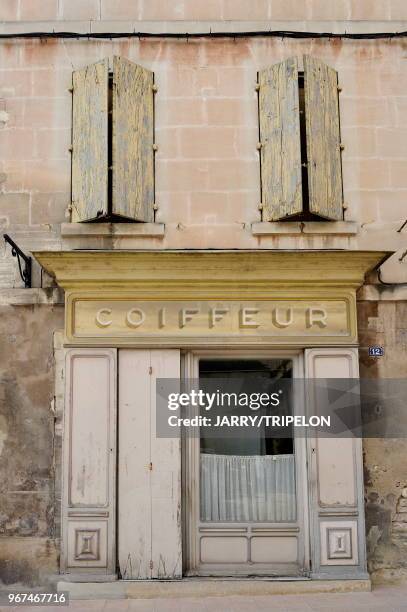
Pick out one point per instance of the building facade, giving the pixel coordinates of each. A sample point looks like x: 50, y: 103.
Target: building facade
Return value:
x: 203, y: 194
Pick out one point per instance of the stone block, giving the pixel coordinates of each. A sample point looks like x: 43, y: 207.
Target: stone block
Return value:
x: 236, y: 10
x: 392, y: 142
x: 329, y: 10
x: 78, y: 9
x: 207, y: 143
x: 398, y: 10
x: 17, y: 144
x: 120, y: 9
x: 288, y: 10
x: 49, y: 208
x: 8, y: 10
x: 32, y: 10
x: 369, y: 10
x: 398, y: 173
x: 366, y: 174
x: 15, y: 207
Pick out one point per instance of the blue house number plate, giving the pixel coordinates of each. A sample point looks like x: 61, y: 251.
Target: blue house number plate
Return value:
x: 376, y: 351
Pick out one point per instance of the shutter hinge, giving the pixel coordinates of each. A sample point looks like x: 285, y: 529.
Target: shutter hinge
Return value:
x: 259, y: 145
x: 339, y: 89
x: 260, y: 206
x: 257, y: 87
x: 150, y: 466
x: 151, y: 564
x: 70, y: 89
x: 154, y: 88
x: 155, y: 147
x: 150, y: 370
x: 341, y: 146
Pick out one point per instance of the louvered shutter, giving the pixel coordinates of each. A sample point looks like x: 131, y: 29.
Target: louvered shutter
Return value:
x: 89, y: 142
x: 280, y: 151
x: 133, y: 139
x: 323, y: 139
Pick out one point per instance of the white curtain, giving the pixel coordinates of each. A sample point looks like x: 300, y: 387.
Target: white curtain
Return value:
x: 247, y: 488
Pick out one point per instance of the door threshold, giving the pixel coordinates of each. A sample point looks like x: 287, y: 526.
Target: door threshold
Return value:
x: 246, y: 578
x: 209, y: 587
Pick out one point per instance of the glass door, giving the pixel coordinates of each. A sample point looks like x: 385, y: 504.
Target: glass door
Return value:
x: 244, y: 493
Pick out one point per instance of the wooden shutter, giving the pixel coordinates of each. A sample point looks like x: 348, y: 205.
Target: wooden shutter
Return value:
x: 280, y: 152
x: 89, y: 142
x: 133, y: 139
x: 323, y: 139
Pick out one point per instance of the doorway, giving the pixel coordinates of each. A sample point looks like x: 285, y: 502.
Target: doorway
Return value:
x: 244, y: 496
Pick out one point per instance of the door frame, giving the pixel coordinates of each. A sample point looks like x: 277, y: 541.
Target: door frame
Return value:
x: 189, y: 482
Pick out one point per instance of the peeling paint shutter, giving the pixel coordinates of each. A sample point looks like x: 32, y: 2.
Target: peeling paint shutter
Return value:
x: 280, y: 152
x: 133, y: 139
x: 323, y: 139
x: 89, y: 142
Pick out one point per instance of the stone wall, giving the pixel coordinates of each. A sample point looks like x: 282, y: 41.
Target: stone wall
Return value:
x: 146, y: 10
x: 28, y: 553
x: 384, y: 323
x: 207, y: 164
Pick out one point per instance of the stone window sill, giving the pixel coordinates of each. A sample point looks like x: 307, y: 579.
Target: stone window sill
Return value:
x: 115, y: 230
x: 270, y: 228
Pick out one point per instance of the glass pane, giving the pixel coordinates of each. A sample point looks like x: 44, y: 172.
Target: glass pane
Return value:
x: 252, y: 478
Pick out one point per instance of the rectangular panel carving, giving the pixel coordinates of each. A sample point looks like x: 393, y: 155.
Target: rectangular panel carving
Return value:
x: 224, y: 550
x: 336, y: 478
x: 87, y: 544
x: 122, y: 319
x: 90, y: 433
x: 339, y: 543
x: 276, y: 549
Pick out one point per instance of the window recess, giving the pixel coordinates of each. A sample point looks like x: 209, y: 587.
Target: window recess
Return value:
x: 113, y: 143
x: 300, y: 146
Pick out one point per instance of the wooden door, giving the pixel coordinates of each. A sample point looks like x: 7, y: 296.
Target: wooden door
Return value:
x: 149, y: 470
x: 244, y: 503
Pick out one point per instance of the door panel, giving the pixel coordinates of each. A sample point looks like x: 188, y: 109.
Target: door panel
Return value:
x: 149, y: 470
x: 89, y: 465
x: 336, y: 481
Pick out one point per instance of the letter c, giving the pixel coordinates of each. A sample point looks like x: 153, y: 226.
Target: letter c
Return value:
x: 99, y: 321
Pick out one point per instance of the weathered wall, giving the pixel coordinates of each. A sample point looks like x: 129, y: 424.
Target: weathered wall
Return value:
x: 385, y: 324
x: 207, y: 165
x: 144, y: 10
x: 27, y: 547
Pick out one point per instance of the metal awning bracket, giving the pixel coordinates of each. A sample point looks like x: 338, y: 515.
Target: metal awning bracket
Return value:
x: 25, y: 269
